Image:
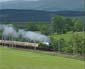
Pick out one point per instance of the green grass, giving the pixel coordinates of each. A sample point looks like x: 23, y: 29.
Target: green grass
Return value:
x: 21, y: 59
x: 68, y: 36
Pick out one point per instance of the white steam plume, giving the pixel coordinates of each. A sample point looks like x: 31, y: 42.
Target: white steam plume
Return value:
x: 9, y: 30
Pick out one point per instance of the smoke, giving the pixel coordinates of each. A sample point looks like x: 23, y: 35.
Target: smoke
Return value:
x: 9, y: 30
x: 33, y: 36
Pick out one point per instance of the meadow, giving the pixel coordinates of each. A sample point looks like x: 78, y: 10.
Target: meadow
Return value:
x: 22, y: 59
x: 68, y: 36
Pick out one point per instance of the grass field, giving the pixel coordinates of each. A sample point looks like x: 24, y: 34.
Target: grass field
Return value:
x: 21, y: 59
x: 68, y: 36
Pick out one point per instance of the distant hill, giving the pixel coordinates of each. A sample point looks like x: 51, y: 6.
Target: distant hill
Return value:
x: 46, y: 5
x: 15, y: 15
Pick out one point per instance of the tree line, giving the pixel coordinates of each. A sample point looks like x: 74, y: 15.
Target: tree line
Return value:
x: 75, y: 45
x: 62, y: 25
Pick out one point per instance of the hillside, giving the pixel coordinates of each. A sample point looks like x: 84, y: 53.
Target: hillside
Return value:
x: 13, y: 15
x: 68, y: 36
x: 21, y: 59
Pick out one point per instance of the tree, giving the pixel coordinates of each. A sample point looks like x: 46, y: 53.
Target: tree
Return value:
x: 54, y: 44
x: 44, y: 29
x: 58, y: 24
x: 69, y: 24
x: 83, y: 47
x: 77, y: 43
x: 78, y: 25
x: 32, y: 27
x: 61, y: 45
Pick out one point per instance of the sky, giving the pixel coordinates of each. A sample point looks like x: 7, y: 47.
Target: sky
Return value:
x: 38, y: 0
x: 16, y: 0
x: 43, y: 4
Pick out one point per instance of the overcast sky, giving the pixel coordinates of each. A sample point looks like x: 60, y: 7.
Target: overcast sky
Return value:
x: 45, y: 4
x: 16, y: 0
x: 42, y: 0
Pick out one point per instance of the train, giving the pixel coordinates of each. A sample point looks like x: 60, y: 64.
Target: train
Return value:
x: 18, y: 44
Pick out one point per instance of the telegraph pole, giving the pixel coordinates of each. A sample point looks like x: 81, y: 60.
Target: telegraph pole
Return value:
x: 12, y: 40
x: 2, y: 40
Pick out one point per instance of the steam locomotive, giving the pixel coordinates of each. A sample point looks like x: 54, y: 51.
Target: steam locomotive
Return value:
x: 17, y: 44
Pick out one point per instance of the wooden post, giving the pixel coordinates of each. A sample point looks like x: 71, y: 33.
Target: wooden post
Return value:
x: 2, y: 40
x: 12, y: 41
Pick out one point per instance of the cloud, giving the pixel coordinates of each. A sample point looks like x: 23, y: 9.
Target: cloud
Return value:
x: 51, y: 5
x: 5, y: 0
x: 16, y: 0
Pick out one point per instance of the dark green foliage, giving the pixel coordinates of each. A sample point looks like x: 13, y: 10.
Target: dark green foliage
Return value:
x: 75, y: 45
x: 69, y: 24
x: 79, y: 44
x: 32, y: 27
x: 54, y: 44
x: 78, y: 25
x: 62, y: 25
x: 83, y: 47
x: 58, y: 24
